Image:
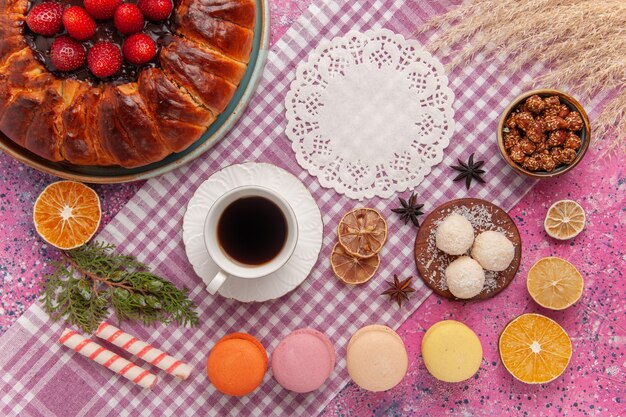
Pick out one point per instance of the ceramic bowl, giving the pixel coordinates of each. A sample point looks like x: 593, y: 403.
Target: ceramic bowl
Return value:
x: 585, y: 133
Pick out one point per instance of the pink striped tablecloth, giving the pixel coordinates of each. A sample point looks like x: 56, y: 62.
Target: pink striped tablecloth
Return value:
x: 42, y: 378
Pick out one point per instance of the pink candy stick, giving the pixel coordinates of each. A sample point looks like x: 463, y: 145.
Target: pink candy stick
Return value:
x: 143, y: 350
x: 108, y: 359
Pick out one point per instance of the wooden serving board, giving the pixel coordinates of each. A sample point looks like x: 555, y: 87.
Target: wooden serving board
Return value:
x: 432, y: 262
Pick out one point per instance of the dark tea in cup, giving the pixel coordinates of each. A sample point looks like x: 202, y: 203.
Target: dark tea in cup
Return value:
x: 252, y: 230
x: 249, y: 232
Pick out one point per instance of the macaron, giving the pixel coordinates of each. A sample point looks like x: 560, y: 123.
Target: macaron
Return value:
x: 452, y: 352
x: 376, y: 358
x: 303, y: 360
x: 237, y: 364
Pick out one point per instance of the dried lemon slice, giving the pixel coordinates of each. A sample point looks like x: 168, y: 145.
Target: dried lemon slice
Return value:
x: 534, y: 349
x: 351, y: 269
x: 67, y: 214
x: 565, y: 219
x: 554, y: 283
x: 362, y: 232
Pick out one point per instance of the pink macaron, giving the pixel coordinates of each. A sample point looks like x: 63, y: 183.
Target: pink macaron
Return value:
x: 303, y: 360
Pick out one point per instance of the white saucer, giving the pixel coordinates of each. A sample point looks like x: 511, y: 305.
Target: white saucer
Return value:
x: 310, y: 228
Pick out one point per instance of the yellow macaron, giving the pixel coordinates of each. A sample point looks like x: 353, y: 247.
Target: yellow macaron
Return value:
x: 452, y: 352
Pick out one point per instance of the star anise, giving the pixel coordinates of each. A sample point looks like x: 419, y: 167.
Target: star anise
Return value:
x: 469, y: 171
x: 398, y: 290
x: 410, y: 210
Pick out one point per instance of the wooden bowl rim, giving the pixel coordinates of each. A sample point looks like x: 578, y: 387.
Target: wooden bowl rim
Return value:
x: 569, y: 100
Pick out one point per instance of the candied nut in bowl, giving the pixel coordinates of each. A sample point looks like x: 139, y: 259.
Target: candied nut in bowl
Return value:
x: 543, y: 133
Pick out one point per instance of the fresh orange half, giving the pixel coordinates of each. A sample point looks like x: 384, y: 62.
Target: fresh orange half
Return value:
x: 351, y: 269
x: 554, y: 283
x: 362, y: 232
x: 565, y: 219
x: 67, y: 214
x: 534, y: 348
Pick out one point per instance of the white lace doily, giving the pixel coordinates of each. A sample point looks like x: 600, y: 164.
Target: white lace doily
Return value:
x: 369, y: 114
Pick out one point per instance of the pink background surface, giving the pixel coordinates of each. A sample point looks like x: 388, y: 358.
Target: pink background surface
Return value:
x: 595, y: 382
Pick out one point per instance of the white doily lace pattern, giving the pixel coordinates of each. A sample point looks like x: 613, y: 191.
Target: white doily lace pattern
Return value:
x: 369, y: 114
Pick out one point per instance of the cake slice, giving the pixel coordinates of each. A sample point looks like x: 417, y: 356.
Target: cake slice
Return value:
x: 11, y: 27
x: 14, y: 6
x: 232, y: 40
x: 81, y: 145
x: 29, y: 120
x: 192, y: 69
x: 22, y: 71
x: 239, y: 12
x: 125, y: 128
x: 180, y: 120
x: 43, y: 134
x: 29, y: 96
x: 17, y: 116
x: 210, y: 60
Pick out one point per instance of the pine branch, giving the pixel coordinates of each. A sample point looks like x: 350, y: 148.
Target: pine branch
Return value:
x: 91, y: 279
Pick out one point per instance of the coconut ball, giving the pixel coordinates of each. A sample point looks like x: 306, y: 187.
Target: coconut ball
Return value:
x: 454, y: 235
x: 465, y: 277
x: 493, y: 250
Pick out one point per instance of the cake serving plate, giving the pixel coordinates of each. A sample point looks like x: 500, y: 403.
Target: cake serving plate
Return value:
x: 214, y: 133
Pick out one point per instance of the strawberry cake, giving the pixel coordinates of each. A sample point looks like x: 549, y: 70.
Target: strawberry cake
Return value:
x: 116, y: 82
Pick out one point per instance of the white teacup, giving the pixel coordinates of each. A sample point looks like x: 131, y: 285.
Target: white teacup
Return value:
x: 228, y: 265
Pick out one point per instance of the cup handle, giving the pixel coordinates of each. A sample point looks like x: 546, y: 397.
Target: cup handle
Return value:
x: 217, y: 281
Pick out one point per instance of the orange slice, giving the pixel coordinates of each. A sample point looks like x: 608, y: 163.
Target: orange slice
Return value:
x: 534, y: 348
x: 554, y: 283
x: 351, y: 269
x: 362, y: 232
x: 565, y: 219
x: 67, y: 214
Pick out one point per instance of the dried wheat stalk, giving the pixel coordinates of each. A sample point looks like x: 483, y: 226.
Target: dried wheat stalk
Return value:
x: 582, y: 43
